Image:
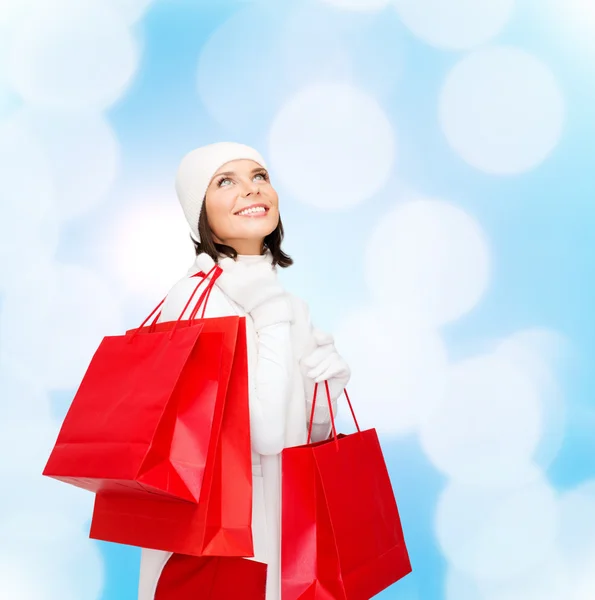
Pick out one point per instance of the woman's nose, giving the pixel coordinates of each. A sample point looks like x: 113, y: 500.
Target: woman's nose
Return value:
x: 251, y: 188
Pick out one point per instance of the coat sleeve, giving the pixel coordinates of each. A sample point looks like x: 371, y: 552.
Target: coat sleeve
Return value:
x: 321, y: 426
x: 270, y: 387
x: 270, y: 363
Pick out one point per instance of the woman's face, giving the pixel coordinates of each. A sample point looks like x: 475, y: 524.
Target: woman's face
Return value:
x: 242, y: 206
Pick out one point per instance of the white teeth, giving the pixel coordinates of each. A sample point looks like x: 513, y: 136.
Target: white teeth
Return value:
x: 249, y: 211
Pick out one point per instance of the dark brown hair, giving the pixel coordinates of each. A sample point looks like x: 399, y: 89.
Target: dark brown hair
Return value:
x: 272, y: 242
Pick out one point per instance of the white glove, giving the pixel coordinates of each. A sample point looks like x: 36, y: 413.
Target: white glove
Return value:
x: 324, y: 362
x: 254, y: 287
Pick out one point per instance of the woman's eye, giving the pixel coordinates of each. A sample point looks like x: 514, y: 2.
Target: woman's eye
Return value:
x: 262, y: 176
x: 224, y: 181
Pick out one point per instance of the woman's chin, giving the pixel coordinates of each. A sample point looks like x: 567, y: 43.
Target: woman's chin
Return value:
x: 256, y: 227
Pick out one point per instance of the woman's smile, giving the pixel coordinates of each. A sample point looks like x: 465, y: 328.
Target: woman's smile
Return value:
x: 254, y: 210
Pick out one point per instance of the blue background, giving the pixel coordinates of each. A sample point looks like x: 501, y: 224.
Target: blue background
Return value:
x: 539, y: 222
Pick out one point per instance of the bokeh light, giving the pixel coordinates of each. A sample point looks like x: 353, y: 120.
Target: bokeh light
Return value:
x: 322, y: 137
x: 399, y: 385
x: 428, y: 259
x: 495, y: 535
x: 456, y: 24
x: 71, y: 54
x: 42, y: 329
x: 501, y: 110
x: 83, y: 152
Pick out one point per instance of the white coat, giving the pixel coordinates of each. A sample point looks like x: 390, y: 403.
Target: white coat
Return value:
x: 274, y: 375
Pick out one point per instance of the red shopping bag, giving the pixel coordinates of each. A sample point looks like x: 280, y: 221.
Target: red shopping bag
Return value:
x: 213, y: 577
x: 146, y: 409
x: 341, y: 531
x: 221, y: 523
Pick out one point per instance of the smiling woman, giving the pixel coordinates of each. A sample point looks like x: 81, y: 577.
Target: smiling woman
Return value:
x: 240, y: 214
x: 233, y: 213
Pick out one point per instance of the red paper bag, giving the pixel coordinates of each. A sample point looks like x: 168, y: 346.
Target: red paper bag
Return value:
x: 216, y: 578
x: 146, y: 410
x: 341, y: 532
x: 221, y: 524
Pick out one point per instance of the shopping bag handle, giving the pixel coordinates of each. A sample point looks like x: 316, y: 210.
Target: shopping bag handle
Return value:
x: 330, y: 407
x: 206, y: 294
x: 202, y: 301
x: 203, y: 298
x: 215, y: 272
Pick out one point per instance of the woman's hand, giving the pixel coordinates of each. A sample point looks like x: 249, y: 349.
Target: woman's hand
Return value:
x: 324, y: 362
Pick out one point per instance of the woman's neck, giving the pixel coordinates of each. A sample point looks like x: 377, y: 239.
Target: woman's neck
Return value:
x: 245, y: 247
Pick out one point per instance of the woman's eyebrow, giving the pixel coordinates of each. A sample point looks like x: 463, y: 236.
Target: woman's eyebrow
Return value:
x: 232, y: 173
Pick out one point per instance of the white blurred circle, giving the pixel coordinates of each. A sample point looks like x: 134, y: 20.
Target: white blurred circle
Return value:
x: 130, y: 10
x: 53, y: 321
x: 359, y: 5
x: 28, y: 442
x: 547, y: 581
x: 567, y: 572
x: 72, y: 54
x: 12, y: 11
x: 256, y: 59
x: 428, y: 259
x: 456, y: 24
x: 550, y: 580
x: 50, y: 548
x: 585, y: 582
x: 28, y: 525
x: 149, y: 247
x: 538, y: 349
x: 28, y: 216
x: 12, y: 14
x: 27, y: 487
x: 577, y: 524
x: 238, y: 78
x: 539, y: 353
x: 460, y: 587
x: 368, y: 55
x: 501, y: 109
x: 21, y: 395
x: 398, y: 374
x: 574, y: 21
x: 489, y: 425
x: 325, y: 57
x: 18, y: 583
x: 332, y: 146
x: 83, y: 152
x: 497, y: 534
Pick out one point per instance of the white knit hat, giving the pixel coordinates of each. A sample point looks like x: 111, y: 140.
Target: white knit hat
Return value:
x: 196, y: 171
